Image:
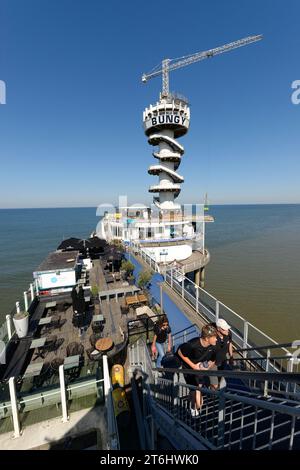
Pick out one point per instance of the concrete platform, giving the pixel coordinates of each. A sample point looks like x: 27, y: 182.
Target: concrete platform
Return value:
x: 42, y: 435
x: 196, y: 261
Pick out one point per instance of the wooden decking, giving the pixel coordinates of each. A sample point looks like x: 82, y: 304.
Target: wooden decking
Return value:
x: 115, y: 324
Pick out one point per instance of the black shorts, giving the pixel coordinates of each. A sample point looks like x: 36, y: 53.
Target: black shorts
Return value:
x: 194, y: 380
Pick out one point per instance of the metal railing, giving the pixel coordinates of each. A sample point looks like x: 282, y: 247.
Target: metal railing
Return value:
x: 142, y: 326
x: 229, y: 419
x: 184, y: 335
x: 195, y: 265
x: 113, y: 442
x: 46, y: 402
x: 7, y: 328
x: 150, y: 261
x: 244, y: 334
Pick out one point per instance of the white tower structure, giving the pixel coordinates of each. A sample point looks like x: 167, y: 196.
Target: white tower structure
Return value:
x: 164, y: 123
x: 169, y: 234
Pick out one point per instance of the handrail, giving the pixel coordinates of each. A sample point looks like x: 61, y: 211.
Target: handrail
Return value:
x: 278, y: 407
x: 259, y: 358
x: 223, y: 410
x: 267, y: 346
x: 277, y: 376
x: 242, y: 336
x: 200, y: 301
x: 185, y: 329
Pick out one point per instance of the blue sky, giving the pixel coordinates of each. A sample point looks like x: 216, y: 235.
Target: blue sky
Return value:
x: 71, y: 130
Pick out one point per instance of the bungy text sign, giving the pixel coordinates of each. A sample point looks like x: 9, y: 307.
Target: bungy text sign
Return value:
x: 174, y: 119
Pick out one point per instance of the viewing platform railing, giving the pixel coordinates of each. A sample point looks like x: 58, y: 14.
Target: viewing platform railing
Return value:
x: 230, y: 418
x: 245, y: 335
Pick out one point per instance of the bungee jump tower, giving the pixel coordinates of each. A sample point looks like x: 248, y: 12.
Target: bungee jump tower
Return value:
x: 164, y: 123
x: 169, y: 233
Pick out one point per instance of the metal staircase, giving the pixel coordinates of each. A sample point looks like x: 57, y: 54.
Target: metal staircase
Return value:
x: 256, y: 409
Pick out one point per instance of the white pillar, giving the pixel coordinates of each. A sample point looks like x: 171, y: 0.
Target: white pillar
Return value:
x: 290, y: 362
x: 63, y: 395
x: 245, y: 338
x: 161, y: 299
x: 217, y: 310
x: 106, y: 377
x: 197, y: 299
x: 8, y: 325
x: 31, y: 292
x: 14, y: 407
x: 267, y: 370
x: 25, y: 301
x: 18, y: 307
x: 36, y: 287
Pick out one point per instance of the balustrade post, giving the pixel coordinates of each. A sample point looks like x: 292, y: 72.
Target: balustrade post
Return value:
x: 18, y: 307
x: 217, y: 310
x: 245, y: 338
x: 267, y: 370
x: 290, y: 363
x: 14, y: 406
x: 36, y: 287
x: 25, y: 301
x: 8, y: 325
x: 221, y: 419
x: 161, y: 299
x: 147, y: 327
x: 197, y: 299
x: 175, y: 394
x: 63, y: 394
x: 31, y: 292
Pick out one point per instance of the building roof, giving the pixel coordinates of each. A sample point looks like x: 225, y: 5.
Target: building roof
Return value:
x: 59, y: 260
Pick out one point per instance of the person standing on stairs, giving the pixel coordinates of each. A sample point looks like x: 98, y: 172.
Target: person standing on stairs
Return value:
x: 223, y: 348
x: 162, y: 333
x: 198, y: 354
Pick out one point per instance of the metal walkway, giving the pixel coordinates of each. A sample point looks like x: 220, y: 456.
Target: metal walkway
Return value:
x: 256, y: 410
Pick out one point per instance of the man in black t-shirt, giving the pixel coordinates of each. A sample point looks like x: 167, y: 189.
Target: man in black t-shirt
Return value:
x: 198, y: 354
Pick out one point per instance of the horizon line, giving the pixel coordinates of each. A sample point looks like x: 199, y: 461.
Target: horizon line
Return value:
x: 210, y: 205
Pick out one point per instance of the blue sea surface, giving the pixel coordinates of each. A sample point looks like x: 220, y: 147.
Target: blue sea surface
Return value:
x: 26, y: 238
x: 255, y: 265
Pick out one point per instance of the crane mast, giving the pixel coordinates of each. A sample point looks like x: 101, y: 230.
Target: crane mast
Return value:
x: 168, y: 64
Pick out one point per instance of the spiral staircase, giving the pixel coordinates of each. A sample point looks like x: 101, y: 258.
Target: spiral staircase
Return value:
x: 163, y: 124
